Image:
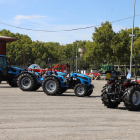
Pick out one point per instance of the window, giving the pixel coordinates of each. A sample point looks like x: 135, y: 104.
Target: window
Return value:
x: 110, y: 68
x: 3, y: 62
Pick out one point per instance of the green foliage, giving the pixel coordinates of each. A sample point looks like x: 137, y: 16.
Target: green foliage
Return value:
x: 107, y: 47
x: 120, y: 45
x: 102, y: 38
x: 43, y: 65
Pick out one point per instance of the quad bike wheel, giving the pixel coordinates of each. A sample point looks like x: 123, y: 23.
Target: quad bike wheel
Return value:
x: 26, y: 82
x: 132, y: 99
x: 80, y: 90
x: 51, y: 86
x: 107, y: 101
x: 108, y: 75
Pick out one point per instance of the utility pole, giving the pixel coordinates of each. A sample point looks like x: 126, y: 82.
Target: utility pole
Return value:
x: 132, y: 41
x: 24, y: 58
x: 76, y: 54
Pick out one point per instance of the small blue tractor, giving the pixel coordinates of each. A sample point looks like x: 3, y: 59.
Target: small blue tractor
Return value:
x: 8, y: 73
x: 54, y: 84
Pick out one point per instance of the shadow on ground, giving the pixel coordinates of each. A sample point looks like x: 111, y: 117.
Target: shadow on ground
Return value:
x: 7, y: 87
x: 123, y: 108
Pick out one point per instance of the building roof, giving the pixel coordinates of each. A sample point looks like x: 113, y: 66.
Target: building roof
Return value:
x: 7, y: 39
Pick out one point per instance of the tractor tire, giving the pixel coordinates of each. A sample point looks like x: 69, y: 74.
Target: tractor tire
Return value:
x: 37, y: 87
x: 63, y: 89
x: 107, y: 101
x: 132, y: 99
x: 108, y: 75
x: 51, y: 86
x: 80, y: 90
x: 13, y: 83
x: 89, y: 92
x: 1, y: 77
x: 26, y: 82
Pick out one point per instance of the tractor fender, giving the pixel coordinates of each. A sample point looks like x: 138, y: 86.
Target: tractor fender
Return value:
x: 30, y: 73
x: 56, y: 77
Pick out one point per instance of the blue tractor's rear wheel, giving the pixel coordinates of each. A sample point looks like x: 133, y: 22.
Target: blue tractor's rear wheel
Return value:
x: 26, y: 82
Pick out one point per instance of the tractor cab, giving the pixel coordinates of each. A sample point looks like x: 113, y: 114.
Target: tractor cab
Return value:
x: 107, y: 70
x: 8, y: 73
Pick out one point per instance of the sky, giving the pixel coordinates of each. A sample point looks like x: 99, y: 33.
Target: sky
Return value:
x: 55, y: 16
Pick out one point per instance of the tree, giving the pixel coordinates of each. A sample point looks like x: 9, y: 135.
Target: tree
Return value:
x: 120, y: 46
x: 102, y: 38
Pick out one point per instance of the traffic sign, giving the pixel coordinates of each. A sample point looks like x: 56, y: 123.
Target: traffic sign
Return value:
x: 133, y: 35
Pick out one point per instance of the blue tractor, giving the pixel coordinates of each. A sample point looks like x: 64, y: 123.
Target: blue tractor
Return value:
x: 8, y: 73
x: 54, y: 84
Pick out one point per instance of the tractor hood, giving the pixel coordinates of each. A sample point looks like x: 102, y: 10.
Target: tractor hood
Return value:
x: 19, y: 69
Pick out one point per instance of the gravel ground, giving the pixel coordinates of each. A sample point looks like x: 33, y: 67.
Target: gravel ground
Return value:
x: 36, y: 116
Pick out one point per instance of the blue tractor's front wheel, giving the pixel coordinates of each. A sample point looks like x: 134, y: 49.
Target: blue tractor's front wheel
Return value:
x: 80, y: 90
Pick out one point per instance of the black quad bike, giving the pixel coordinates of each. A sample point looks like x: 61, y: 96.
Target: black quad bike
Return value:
x: 122, y: 90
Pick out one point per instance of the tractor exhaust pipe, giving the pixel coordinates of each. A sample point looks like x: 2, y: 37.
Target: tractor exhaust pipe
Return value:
x: 51, y: 64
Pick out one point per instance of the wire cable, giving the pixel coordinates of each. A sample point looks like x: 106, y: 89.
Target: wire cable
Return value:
x: 63, y: 30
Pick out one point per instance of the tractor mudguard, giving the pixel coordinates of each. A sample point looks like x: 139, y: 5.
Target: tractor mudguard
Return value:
x: 31, y: 73
x: 60, y: 78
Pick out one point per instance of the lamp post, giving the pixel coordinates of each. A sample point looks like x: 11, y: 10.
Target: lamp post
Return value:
x: 76, y: 52
x: 132, y: 41
x: 27, y: 62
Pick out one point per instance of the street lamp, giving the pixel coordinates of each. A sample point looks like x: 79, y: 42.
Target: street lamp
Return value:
x: 76, y: 53
x: 132, y: 41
